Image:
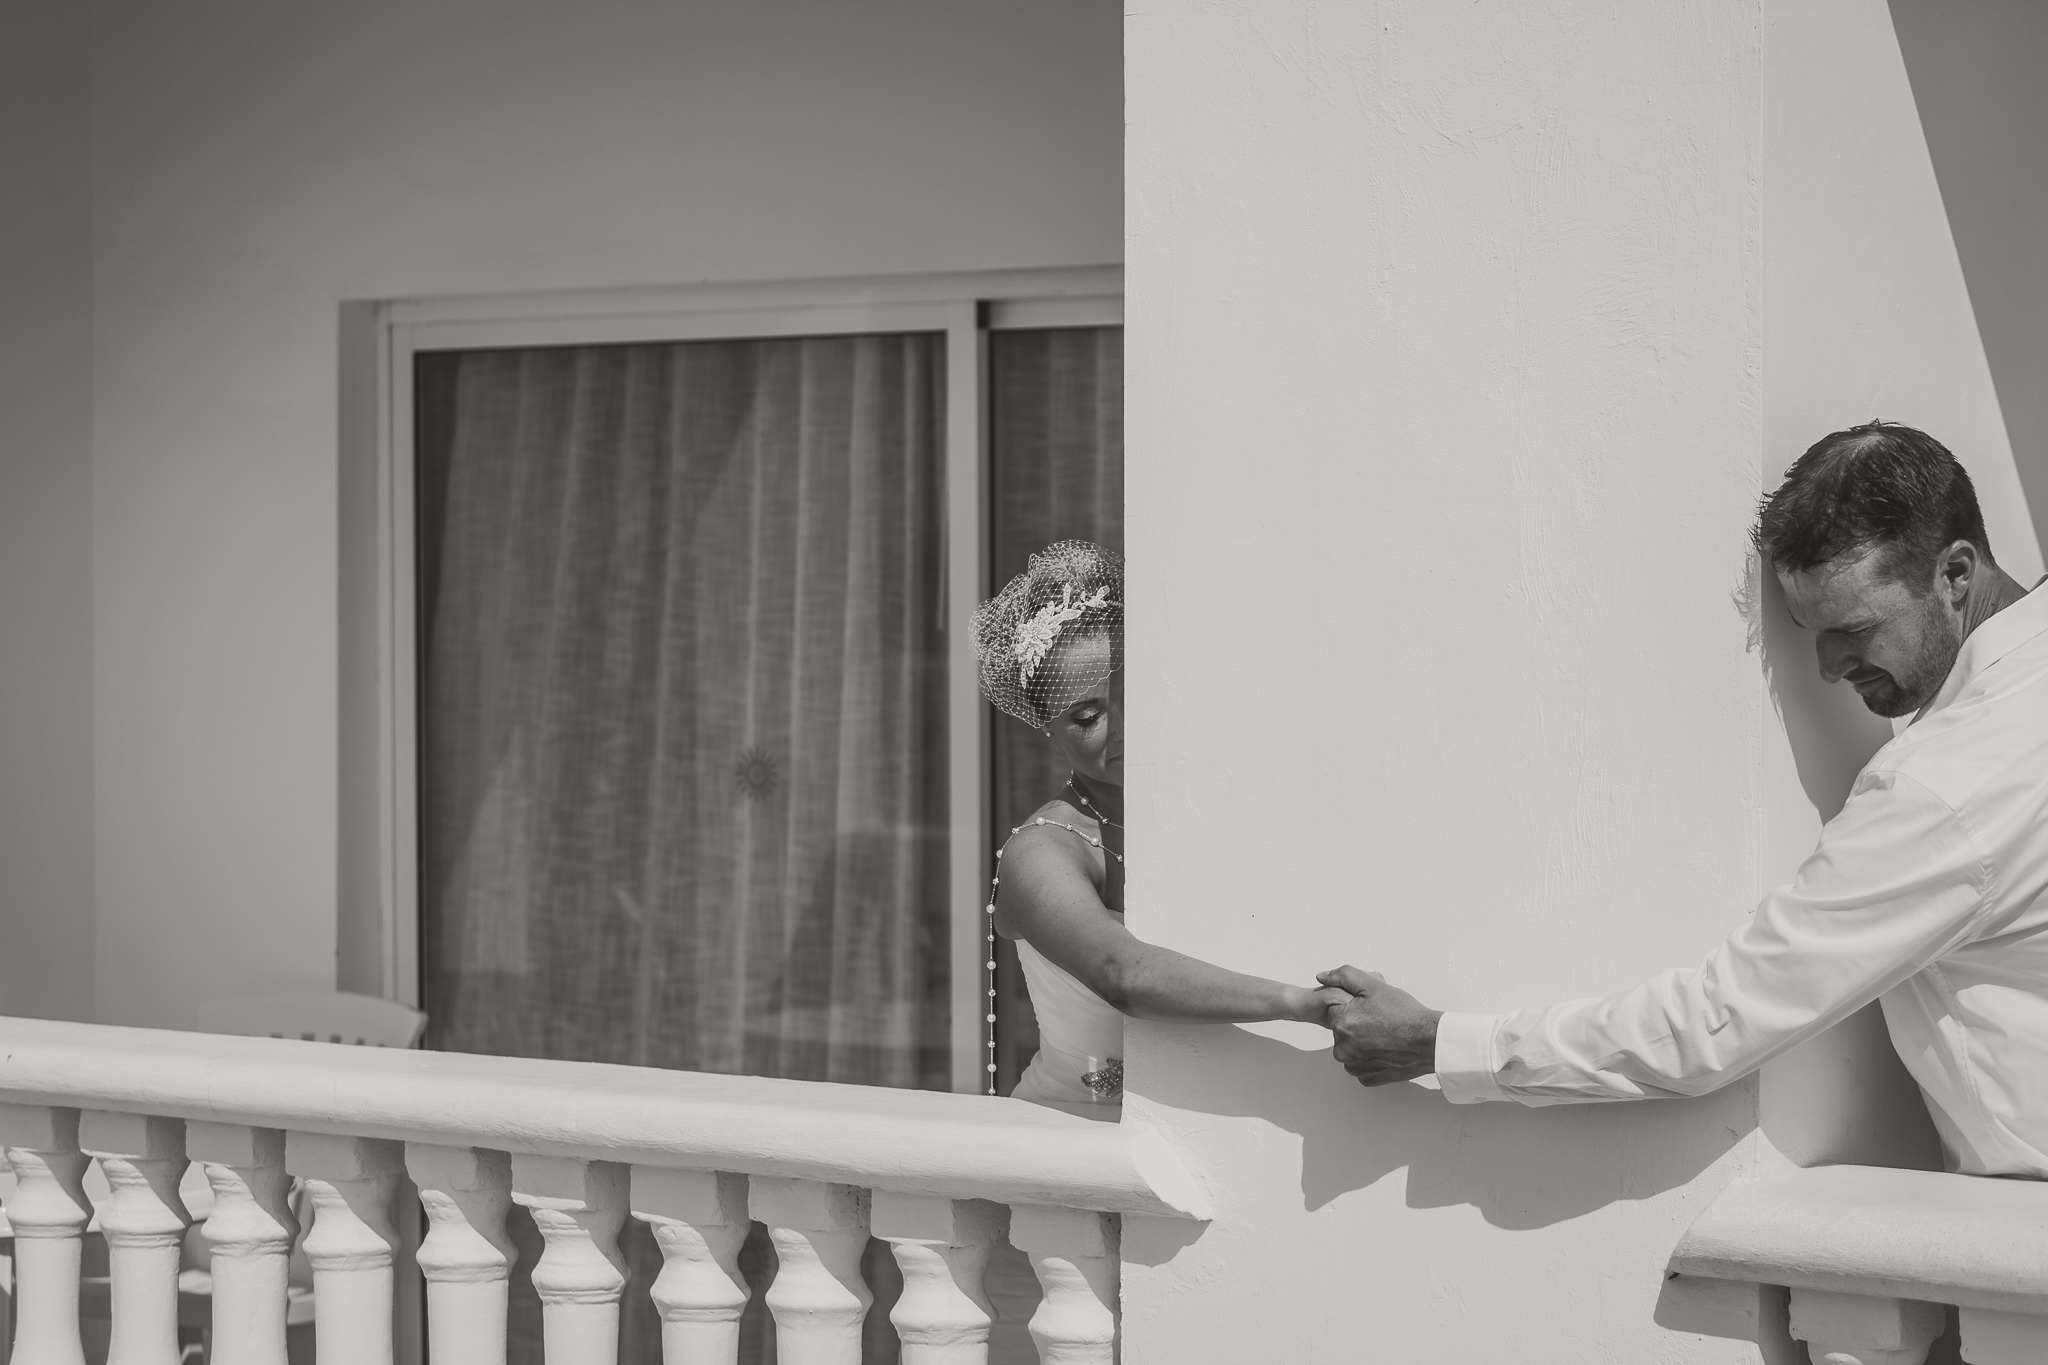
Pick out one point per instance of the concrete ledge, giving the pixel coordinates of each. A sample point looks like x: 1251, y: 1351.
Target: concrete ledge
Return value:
x: 1880, y: 1233
x: 911, y: 1141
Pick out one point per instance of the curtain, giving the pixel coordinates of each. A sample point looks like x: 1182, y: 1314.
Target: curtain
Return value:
x: 1056, y: 406
x: 683, y: 706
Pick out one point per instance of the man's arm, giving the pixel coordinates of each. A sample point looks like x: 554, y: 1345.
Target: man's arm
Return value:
x: 1896, y: 882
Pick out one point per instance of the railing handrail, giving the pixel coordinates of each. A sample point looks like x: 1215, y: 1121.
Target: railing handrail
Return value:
x: 910, y: 1141
x: 1972, y: 1241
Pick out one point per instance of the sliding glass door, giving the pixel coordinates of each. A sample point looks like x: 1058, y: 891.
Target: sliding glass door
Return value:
x: 696, y: 787
x: 683, y: 740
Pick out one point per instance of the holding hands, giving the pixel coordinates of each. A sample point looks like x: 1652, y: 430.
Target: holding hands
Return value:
x: 1383, y: 1033
x: 1320, y: 1004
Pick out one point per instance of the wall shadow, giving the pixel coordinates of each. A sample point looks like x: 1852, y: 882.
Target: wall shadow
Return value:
x: 1831, y: 733
x: 1843, y: 1096
x: 1520, y: 1168
x: 1975, y: 68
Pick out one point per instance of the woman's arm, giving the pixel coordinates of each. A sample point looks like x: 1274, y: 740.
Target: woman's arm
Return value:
x: 1049, y: 898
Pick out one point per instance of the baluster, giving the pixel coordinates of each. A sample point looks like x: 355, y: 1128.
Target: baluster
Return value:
x: 144, y: 1221
x: 818, y: 1298
x: 1995, y: 1337
x: 942, y: 1246
x: 48, y: 1212
x: 1851, y: 1329
x: 250, y: 1234
x: 350, y: 1183
x: 699, y: 1220
x: 466, y: 1256
x: 1074, y: 1253
x: 6, y: 1273
x: 579, y: 1207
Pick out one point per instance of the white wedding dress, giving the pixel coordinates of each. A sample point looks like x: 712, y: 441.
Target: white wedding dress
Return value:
x: 1080, y: 1059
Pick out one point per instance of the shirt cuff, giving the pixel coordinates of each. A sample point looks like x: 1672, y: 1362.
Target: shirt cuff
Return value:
x: 1464, y: 1057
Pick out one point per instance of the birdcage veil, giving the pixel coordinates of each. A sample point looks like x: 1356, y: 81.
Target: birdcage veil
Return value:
x: 1053, y: 632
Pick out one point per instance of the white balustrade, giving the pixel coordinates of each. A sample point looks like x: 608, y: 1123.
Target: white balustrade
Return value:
x: 250, y: 1234
x: 1993, y: 1337
x: 1854, y: 1329
x: 579, y: 1207
x: 700, y: 1221
x: 818, y: 1298
x: 352, y: 1244
x: 48, y: 1212
x: 696, y: 1157
x: 466, y: 1256
x: 1871, y: 1254
x: 942, y: 1247
x: 1074, y: 1252
x: 144, y: 1221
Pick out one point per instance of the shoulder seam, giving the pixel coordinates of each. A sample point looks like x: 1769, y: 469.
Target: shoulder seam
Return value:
x: 1987, y: 870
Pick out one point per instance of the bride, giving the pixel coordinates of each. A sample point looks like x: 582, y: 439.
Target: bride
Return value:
x: 1051, y: 648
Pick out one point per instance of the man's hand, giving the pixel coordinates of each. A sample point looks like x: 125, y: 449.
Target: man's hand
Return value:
x: 1383, y: 1033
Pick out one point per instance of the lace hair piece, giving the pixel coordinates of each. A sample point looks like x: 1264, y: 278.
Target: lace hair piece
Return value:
x: 1053, y: 632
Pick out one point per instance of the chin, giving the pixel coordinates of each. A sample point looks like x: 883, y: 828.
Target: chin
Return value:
x: 1891, y: 703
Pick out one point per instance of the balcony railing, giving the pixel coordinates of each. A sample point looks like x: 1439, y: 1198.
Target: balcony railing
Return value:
x: 1871, y: 1255
x: 583, y: 1147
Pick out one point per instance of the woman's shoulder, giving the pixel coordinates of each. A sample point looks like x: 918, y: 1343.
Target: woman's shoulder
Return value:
x: 1056, y: 829
x: 1054, y: 851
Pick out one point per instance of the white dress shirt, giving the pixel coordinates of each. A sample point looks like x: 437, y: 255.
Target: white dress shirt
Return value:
x: 1928, y: 892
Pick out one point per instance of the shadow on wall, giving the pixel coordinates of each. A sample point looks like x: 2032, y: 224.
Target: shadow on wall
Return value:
x: 1844, y: 1096
x: 1520, y: 1168
x: 1831, y: 734
x: 1975, y: 67
x: 1527, y: 1168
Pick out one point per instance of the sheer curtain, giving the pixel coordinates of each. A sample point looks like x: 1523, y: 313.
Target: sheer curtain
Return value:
x: 683, y: 705
x: 1057, y: 445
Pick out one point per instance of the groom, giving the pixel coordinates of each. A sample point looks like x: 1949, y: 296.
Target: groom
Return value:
x: 1928, y: 892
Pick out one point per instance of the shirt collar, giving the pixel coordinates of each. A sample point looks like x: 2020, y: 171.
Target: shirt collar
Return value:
x: 1992, y: 641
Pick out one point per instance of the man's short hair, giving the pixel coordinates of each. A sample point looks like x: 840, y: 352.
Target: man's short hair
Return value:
x: 1878, y: 485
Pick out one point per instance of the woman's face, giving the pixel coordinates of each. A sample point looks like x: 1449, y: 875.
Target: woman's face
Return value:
x: 1089, y: 734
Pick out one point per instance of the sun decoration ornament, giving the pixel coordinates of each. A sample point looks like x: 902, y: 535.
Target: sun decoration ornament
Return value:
x: 1053, y: 632
x: 755, y: 774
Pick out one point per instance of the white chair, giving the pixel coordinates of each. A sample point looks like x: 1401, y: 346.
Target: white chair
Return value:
x: 317, y: 1016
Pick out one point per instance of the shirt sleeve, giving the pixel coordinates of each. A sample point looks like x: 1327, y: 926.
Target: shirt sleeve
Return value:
x: 1897, y: 881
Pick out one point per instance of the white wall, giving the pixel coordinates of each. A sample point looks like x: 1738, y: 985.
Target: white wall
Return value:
x: 1444, y: 437
x: 257, y: 165
x: 1462, y: 342
x: 46, y: 893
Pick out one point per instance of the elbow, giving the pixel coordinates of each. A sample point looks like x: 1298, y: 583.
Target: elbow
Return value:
x: 1113, y: 982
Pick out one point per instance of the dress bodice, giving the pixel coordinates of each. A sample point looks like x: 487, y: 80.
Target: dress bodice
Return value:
x: 1080, y: 1059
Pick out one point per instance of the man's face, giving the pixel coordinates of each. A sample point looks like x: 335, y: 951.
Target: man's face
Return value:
x: 1892, y: 644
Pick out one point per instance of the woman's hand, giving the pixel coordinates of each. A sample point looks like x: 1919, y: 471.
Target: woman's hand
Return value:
x: 1316, y: 1006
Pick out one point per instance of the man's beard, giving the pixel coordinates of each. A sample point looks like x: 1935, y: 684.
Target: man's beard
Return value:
x: 1888, y: 699
x: 1892, y: 698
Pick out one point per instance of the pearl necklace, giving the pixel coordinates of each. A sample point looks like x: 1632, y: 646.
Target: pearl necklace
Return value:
x: 997, y: 881
x: 1089, y: 806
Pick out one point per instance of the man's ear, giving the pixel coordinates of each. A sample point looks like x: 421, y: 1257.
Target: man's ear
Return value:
x: 1956, y: 569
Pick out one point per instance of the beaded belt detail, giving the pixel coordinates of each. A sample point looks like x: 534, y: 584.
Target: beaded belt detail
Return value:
x: 1109, y: 1081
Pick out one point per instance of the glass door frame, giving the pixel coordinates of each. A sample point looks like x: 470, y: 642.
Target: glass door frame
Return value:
x: 964, y: 307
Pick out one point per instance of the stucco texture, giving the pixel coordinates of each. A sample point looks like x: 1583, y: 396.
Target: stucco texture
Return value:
x: 1463, y: 340
x: 1443, y: 433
